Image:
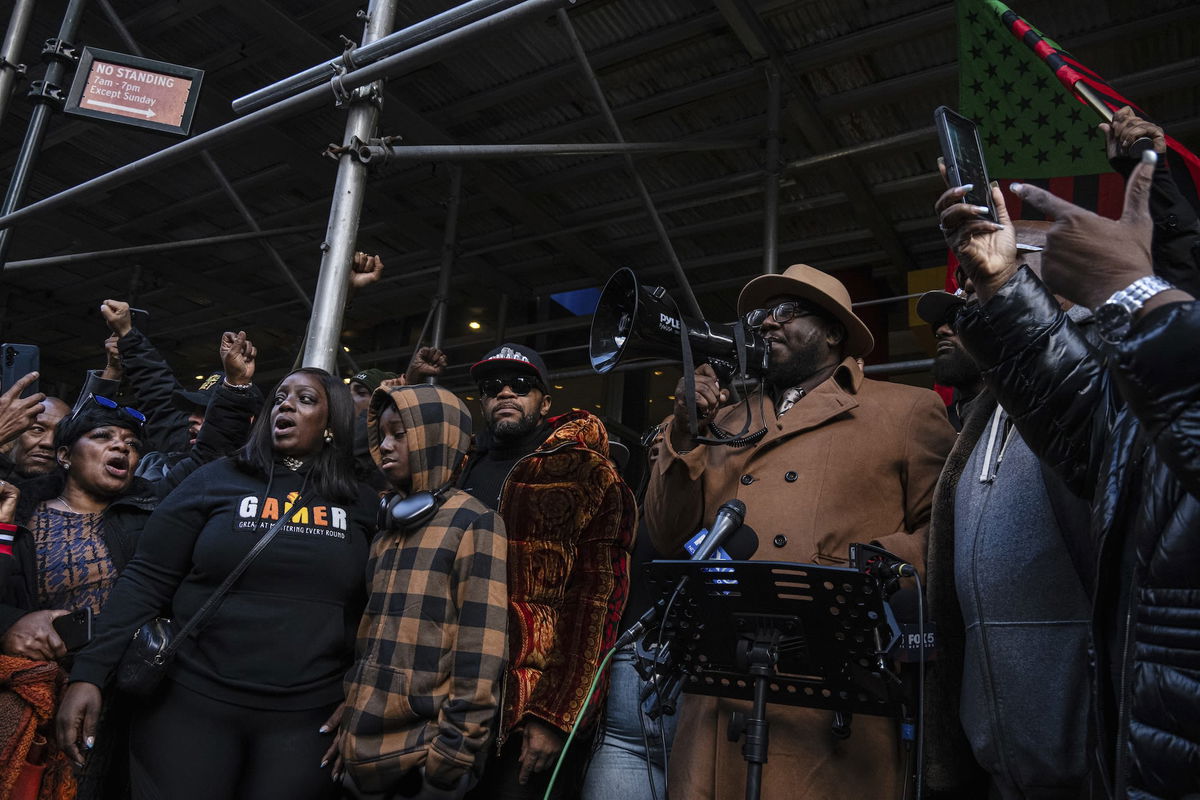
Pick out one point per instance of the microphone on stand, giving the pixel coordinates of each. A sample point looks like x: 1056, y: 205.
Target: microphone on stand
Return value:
x: 730, y: 517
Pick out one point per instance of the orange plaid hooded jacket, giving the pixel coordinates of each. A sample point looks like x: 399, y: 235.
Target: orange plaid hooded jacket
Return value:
x: 431, y: 645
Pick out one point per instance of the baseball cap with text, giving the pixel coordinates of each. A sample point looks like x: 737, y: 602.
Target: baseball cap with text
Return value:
x: 510, y: 359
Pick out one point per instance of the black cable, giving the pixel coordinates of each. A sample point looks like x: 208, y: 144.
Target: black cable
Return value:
x: 646, y: 746
x: 662, y: 630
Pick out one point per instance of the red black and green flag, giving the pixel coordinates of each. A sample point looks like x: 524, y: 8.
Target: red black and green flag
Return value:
x: 1022, y: 89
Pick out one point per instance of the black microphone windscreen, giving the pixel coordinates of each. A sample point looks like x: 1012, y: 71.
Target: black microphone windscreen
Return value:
x: 743, y: 544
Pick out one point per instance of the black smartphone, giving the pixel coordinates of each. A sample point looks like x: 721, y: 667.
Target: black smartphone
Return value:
x: 962, y: 151
x: 17, y: 361
x: 75, y: 629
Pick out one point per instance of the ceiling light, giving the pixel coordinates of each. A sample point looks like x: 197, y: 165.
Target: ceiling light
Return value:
x: 345, y: 380
x: 558, y: 386
x: 670, y: 397
x: 473, y: 325
x: 346, y: 348
x: 599, y: 406
x: 200, y: 377
x: 658, y: 372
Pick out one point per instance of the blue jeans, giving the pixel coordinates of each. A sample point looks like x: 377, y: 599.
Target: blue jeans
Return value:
x: 618, y: 767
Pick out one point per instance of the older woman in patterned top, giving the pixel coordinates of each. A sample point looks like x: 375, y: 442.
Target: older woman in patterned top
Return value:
x: 79, y: 525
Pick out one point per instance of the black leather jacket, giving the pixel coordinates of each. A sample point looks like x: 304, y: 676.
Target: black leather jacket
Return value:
x: 1122, y: 427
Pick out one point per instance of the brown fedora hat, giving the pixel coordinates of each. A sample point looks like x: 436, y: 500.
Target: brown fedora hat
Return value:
x: 822, y: 289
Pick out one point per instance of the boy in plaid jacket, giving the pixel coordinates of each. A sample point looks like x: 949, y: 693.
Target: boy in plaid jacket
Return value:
x: 424, y: 691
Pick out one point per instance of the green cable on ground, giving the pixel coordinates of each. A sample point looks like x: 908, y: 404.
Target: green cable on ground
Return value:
x: 574, y: 728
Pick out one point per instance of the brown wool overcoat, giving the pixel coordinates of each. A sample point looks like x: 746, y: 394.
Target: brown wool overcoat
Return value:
x: 855, y: 460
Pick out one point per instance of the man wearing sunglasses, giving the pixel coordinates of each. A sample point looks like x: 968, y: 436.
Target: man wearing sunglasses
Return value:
x: 831, y: 458
x: 952, y: 365
x: 570, y: 521
x: 1001, y: 518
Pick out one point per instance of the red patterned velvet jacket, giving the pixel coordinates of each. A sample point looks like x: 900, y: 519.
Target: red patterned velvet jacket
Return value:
x: 570, y: 521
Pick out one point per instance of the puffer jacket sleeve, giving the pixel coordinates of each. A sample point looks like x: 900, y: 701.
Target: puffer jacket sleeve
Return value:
x: 93, y: 383
x: 153, y: 385
x: 226, y: 428
x: 480, y: 591
x: 595, y: 597
x: 1162, y: 386
x: 1044, y: 373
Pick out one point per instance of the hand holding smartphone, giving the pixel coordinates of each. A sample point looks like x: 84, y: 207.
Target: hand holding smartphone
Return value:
x: 962, y: 152
x: 75, y: 629
x: 17, y: 361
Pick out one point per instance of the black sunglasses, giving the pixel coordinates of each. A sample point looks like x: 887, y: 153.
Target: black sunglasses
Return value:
x: 520, y: 385
x: 101, y: 400
x: 783, y: 312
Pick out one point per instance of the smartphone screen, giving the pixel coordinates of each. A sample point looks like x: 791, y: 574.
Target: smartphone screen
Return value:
x: 17, y: 361
x: 963, y: 154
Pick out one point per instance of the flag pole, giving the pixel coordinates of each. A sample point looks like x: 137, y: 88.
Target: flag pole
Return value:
x: 1093, y: 100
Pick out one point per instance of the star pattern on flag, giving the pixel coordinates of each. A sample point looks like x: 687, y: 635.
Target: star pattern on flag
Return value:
x: 1030, y: 125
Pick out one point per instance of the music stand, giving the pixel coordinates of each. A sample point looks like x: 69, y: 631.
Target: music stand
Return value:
x: 776, y: 632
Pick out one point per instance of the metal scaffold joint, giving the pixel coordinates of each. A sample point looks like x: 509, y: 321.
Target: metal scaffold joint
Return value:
x: 18, y: 69
x: 59, y: 50
x: 46, y: 92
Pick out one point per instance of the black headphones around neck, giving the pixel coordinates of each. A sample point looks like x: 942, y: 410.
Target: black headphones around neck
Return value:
x: 399, y: 512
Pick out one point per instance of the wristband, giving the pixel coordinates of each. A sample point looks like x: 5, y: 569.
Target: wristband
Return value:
x: 7, y: 535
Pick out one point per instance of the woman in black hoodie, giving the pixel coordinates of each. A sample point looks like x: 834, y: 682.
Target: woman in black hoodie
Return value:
x: 240, y: 710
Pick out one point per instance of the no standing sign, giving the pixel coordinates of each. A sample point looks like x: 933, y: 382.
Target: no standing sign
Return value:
x: 134, y: 91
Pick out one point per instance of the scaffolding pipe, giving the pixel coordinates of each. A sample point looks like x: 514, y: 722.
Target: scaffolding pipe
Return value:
x: 227, y: 187
x: 885, y: 300
x: 236, y: 199
x: 611, y: 121
x: 354, y: 58
x: 337, y: 251
x: 899, y: 367
x: 894, y: 368
x: 442, y: 298
x: 908, y: 137
x: 10, y: 52
x: 771, y: 190
x: 382, y: 154
x: 158, y: 247
x: 284, y: 109
x: 35, y: 134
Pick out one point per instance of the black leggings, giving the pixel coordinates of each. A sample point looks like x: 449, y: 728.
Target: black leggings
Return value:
x: 185, y: 746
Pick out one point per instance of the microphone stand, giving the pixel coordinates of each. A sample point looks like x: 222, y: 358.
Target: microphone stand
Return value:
x: 774, y: 632
x: 758, y: 658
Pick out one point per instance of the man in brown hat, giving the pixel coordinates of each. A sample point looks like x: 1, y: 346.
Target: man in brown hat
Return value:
x: 841, y: 459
